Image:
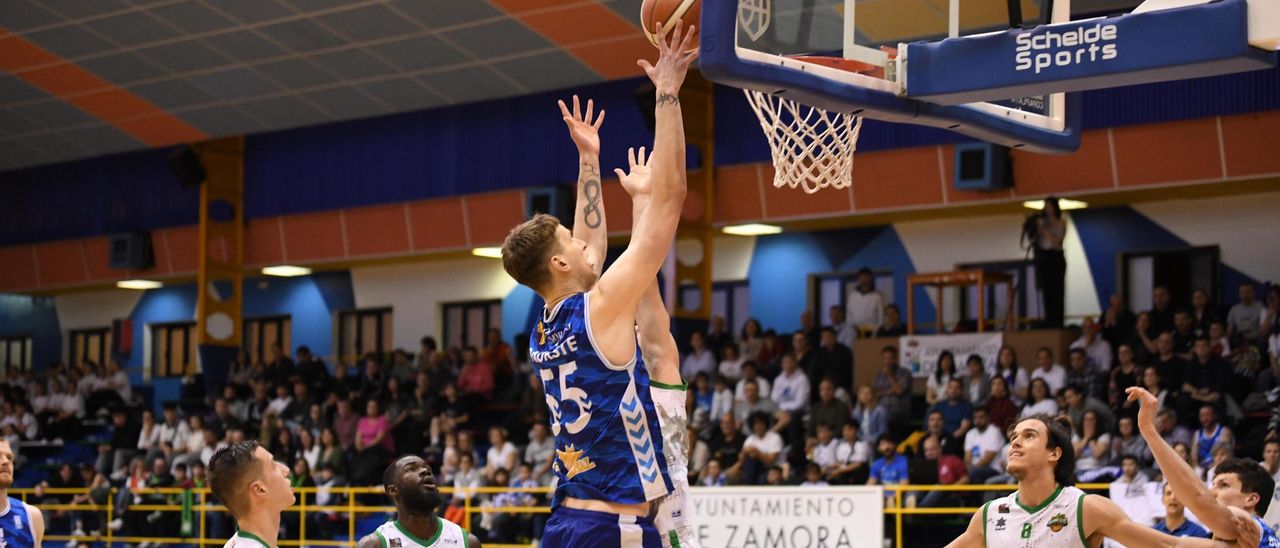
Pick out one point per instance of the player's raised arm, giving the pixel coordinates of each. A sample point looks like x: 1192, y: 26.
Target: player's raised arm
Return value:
x: 1102, y: 517
x: 588, y: 214
x: 1222, y: 520
x: 615, y: 296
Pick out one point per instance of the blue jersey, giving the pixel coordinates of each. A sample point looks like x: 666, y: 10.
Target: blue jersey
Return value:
x: 1269, y: 538
x: 15, y: 526
x: 608, y: 445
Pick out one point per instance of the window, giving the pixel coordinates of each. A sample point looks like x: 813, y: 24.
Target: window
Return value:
x: 89, y: 345
x: 363, y: 331
x: 261, y: 333
x: 1026, y: 297
x: 466, y: 323
x: 833, y: 289
x: 1180, y: 270
x: 173, y: 349
x: 729, y: 300
x: 15, y: 352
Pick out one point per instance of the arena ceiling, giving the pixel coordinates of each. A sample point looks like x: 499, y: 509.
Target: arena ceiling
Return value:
x: 83, y: 78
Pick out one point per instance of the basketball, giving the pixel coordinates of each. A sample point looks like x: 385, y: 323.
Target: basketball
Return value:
x: 658, y: 17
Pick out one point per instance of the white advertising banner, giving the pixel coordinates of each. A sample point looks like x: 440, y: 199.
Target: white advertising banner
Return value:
x: 919, y: 353
x: 787, y: 517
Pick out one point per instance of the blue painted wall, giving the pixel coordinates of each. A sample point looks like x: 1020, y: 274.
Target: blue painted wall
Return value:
x: 167, y: 304
x: 35, y: 317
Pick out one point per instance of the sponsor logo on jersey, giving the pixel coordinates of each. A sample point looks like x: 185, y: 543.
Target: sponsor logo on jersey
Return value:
x: 1004, y: 509
x: 1000, y: 524
x: 1058, y: 522
x: 574, y: 462
x: 395, y: 543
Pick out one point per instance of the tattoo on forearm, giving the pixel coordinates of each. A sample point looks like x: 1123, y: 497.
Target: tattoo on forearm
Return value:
x: 665, y: 99
x: 591, y: 213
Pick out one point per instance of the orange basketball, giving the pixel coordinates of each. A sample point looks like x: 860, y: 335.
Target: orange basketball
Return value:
x: 658, y: 17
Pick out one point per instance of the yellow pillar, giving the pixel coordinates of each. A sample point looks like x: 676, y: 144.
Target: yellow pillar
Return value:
x: 220, y: 280
x: 694, y: 237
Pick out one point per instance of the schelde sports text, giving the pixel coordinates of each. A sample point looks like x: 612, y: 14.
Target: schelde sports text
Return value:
x: 1085, y: 44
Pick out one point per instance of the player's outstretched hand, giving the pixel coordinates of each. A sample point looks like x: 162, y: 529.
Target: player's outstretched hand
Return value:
x: 1250, y: 532
x: 636, y: 180
x: 584, y: 131
x: 675, y: 53
x: 1149, y: 406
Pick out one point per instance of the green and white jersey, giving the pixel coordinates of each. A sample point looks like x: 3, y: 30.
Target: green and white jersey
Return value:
x: 244, y: 539
x: 448, y: 535
x: 1058, y: 522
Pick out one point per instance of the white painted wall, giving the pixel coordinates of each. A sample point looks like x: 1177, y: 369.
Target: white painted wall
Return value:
x: 92, y: 309
x: 417, y: 291
x: 731, y: 257
x: 1246, y: 228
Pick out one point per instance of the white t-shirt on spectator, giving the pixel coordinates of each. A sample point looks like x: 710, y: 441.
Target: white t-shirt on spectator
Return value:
x: 770, y: 444
x: 858, y: 451
x: 978, y: 442
x: 73, y: 404
x: 1055, y: 377
x: 278, y: 405
x: 740, y: 391
x: 865, y: 309
x: 825, y: 455
x: 119, y: 381
x: 497, y: 456
x: 721, y: 403
x: 791, y: 392
x: 938, y: 387
x: 174, y: 434
x: 40, y: 404
x: 694, y: 363
x: 149, y: 439
x: 1098, y: 351
x: 1047, y: 406
x: 731, y: 369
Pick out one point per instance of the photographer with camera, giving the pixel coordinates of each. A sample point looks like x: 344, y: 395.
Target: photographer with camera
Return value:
x: 1045, y: 231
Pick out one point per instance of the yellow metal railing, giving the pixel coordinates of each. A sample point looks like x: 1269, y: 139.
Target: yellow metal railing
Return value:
x: 202, y: 505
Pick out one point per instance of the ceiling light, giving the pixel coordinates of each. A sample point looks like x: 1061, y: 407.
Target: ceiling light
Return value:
x: 286, y: 271
x: 752, y: 229
x: 1063, y: 203
x: 138, y: 284
x: 488, y: 252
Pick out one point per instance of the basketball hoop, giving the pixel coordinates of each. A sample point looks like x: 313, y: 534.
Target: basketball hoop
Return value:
x: 812, y: 147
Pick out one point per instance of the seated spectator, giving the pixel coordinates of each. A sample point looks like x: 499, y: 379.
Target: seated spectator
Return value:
x: 1172, y: 369
x: 957, y: 412
x: 712, y: 475
x: 936, y: 468
x: 1096, y: 348
x: 725, y: 444
x: 114, y: 456
x: 326, y: 523
x: 1124, y: 375
x: 751, y: 404
x: 373, y: 445
x: 283, y: 447
x: 977, y: 385
x: 1092, y: 443
x: 700, y: 393
x: 889, y: 468
x: 308, y: 449
x: 771, y: 351
x: 760, y: 451
x: 222, y: 418
x: 540, y: 453
x: 852, y: 456
x: 313, y: 371
x: 721, y: 397
x: 892, y: 325
x: 1184, y: 334
x: 1081, y: 372
x: 846, y: 331
x: 1220, y: 454
x: 864, y: 304
x: 1134, y: 493
x: 832, y: 360
x: 1128, y: 443
x: 1153, y: 383
x: 751, y: 340
x: 821, y: 450
x: 982, y: 443
x: 1206, y: 376
x: 1175, y: 522
x: 828, y: 410
x: 476, y: 380
x: 750, y: 372
x: 871, y: 417
x: 467, y: 478
x: 892, y: 384
x: 457, y: 410
x: 1210, y: 434
x: 1221, y: 344
x: 1040, y: 401
x: 943, y: 372
x: 1172, y: 432
x: 502, y: 454
x: 775, y: 477
x: 718, y: 337
x: 1271, y: 463
x: 1117, y: 321
x: 281, y: 403
x: 731, y: 364
x: 193, y: 447
x: 1001, y: 409
x: 934, y: 428
x: 1076, y: 403
x: 1015, y: 377
x: 345, y: 423
x: 1245, y: 317
x: 700, y: 359
x: 791, y: 388
x: 813, y: 476
x: 1051, y: 372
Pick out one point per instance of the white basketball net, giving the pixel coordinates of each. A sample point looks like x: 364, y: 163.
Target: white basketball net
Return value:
x: 810, y: 151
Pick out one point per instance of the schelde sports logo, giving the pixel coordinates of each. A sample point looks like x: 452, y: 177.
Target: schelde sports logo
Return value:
x: 1084, y: 44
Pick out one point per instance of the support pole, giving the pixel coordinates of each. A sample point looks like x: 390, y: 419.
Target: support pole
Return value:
x: 219, y: 301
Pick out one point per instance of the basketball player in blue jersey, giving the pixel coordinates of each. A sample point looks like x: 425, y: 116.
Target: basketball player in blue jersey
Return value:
x: 608, y: 453
x: 1241, y: 490
x: 21, y: 525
